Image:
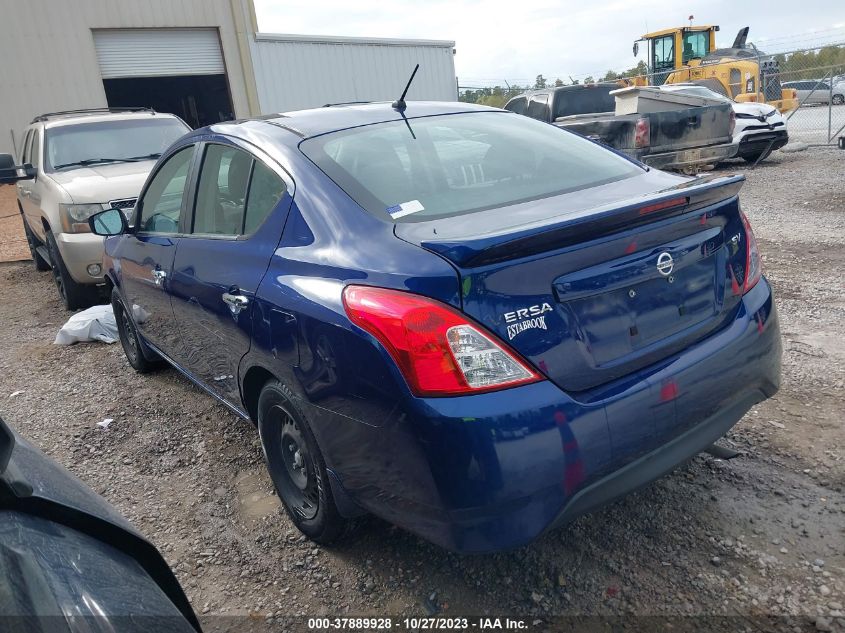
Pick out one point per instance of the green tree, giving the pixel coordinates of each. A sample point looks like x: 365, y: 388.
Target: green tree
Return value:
x: 540, y: 82
x: 558, y: 82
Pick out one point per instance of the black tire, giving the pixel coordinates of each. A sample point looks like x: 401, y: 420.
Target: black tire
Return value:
x: 41, y: 264
x: 296, y: 466
x: 128, y: 334
x: 75, y: 296
x: 753, y: 158
x: 838, y: 99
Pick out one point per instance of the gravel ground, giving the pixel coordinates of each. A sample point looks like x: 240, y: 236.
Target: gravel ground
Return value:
x: 758, y: 535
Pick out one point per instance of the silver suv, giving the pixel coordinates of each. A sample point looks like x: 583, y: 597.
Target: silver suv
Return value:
x: 82, y: 162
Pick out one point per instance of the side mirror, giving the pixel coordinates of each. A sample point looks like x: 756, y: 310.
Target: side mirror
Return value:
x: 108, y: 222
x: 11, y: 173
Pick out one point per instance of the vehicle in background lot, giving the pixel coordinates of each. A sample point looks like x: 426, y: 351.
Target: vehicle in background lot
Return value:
x: 464, y: 321
x: 742, y: 72
x: 85, y: 161
x: 760, y: 128
x: 678, y: 139
x: 818, y: 91
x: 70, y: 562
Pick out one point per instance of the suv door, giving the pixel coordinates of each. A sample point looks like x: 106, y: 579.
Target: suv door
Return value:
x: 241, y: 204
x: 28, y: 195
x: 146, y: 256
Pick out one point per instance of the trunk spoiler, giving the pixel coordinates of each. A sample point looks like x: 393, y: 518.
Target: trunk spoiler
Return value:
x: 572, y: 227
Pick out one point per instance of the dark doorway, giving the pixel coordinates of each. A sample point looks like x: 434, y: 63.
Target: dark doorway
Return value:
x: 199, y: 99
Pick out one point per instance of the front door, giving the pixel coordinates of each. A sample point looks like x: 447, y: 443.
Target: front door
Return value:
x: 241, y: 206
x: 146, y: 257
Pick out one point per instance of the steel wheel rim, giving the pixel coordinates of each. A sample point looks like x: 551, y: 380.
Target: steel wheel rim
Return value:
x: 296, y: 475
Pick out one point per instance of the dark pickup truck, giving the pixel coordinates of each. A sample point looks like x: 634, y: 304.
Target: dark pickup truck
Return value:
x: 682, y: 139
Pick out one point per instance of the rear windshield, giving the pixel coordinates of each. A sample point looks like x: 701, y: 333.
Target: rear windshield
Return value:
x: 585, y: 100
x: 448, y: 165
x: 102, y: 142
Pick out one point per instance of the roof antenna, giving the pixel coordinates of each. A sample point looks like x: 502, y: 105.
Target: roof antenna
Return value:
x: 400, y: 104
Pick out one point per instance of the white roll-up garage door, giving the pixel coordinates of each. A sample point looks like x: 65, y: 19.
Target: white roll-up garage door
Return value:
x: 158, y: 52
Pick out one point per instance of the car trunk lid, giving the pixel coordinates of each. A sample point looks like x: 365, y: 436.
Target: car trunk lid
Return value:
x: 576, y: 287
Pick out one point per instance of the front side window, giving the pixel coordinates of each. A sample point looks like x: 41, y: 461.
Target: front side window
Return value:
x: 460, y: 163
x: 696, y: 44
x: 35, y: 150
x: 101, y: 142
x: 664, y: 53
x: 161, y: 205
x: 25, y: 147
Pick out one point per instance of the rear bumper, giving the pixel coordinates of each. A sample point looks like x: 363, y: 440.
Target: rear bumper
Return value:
x: 494, y: 471
x: 78, y: 251
x: 690, y: 157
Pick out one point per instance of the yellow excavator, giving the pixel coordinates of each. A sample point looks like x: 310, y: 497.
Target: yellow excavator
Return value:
x: 689, y: 54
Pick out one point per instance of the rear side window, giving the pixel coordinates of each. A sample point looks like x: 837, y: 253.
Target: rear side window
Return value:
x: 265, y: 191
x: 517, y: 105
x: 460, y: 163
x: 221, y: 197
x: 235, y: 194
x: 538, y: 108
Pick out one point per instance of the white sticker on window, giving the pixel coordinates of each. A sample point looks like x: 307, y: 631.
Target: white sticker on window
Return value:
x: 406, y: 208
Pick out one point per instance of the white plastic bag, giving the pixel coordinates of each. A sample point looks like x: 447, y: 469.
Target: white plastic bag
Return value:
x: 93, y: 324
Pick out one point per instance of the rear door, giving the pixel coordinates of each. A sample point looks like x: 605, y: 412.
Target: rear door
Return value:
x: 241, y: 204
x: 146, y: 257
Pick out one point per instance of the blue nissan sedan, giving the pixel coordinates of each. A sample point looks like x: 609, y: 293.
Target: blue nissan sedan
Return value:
x: 472, y: 324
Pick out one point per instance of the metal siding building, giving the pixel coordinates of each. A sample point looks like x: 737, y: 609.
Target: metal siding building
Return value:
x: 300, y: 71
x: 63, y: 55
x: 50, y: 60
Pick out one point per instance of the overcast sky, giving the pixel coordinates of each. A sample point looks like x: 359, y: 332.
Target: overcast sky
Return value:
x: 499, y: 40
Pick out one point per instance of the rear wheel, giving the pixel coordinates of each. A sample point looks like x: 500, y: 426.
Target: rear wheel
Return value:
x: 74, y: 295
x: 296, y: 466
x: 41, y: 264
x: 838, y: 99
x: 129, y: 337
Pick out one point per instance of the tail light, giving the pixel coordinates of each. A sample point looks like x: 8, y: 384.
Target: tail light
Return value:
x: 753, y: 265
x: 437, y: 349
x: 642, y: 134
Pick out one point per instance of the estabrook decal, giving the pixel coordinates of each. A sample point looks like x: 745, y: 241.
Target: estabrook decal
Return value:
x: 530, y: 318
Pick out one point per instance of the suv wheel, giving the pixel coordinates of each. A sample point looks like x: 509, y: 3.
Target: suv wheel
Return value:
x: 129, y: 337
x: 74, y: 295
x: 41, y: 264
x: 838, y: 99
x: 296, y: 466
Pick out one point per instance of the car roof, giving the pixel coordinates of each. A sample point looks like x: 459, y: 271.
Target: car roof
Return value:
x: 60, y: 120
x: 317, y: 121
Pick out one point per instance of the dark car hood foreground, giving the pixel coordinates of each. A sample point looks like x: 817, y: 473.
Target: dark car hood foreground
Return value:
x: 69, y: 561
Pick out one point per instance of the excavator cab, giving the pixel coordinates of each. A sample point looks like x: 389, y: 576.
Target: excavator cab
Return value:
x: 689, y: 54
x: 672, y: 49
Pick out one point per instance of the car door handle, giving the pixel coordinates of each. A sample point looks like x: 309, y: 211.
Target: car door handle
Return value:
x: 235, y: 302
x: 159, y: 276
